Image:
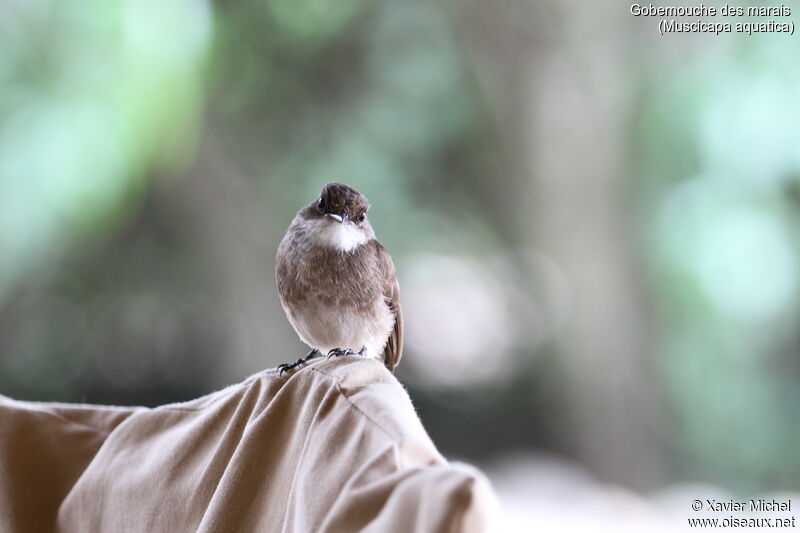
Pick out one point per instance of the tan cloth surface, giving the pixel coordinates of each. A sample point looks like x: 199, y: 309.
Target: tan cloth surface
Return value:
x: 335, y: 446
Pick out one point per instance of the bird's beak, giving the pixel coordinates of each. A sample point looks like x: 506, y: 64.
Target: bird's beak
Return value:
x: 337, y: 217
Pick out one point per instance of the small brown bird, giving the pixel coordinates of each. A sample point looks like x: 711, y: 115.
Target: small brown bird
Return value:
x: 337, y: 283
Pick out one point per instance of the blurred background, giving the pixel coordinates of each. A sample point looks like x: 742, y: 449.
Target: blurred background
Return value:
x: 595, y: 227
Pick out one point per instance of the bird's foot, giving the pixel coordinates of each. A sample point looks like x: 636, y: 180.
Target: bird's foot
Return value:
x: 285, y: 367
x: 345, y: 351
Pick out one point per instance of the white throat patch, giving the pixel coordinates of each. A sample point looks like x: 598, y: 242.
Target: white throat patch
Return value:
x: 342, y: 236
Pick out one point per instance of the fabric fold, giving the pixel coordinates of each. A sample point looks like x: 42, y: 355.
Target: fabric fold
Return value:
x: 333, y: 447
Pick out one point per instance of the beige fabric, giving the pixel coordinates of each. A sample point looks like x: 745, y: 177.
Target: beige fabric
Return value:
x: 335, y: 446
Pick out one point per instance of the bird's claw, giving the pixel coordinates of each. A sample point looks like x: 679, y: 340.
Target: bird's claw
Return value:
x: 285, y: 367
x: 341, y: 351
x: 345, y: 351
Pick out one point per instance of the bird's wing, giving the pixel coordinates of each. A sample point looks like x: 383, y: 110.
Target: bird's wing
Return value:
x: 391, y: 294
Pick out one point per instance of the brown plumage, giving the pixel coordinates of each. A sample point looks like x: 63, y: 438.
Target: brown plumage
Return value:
x: 337, y: 283
x: 391, y: 293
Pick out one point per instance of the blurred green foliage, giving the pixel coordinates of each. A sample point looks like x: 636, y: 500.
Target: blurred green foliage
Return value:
x: 94, y: 100
x: 720, y: 165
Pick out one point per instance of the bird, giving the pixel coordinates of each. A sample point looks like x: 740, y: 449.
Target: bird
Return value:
x: 337, y: 283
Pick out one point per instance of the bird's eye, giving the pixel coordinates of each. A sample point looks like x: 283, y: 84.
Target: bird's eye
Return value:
x: 321, y: 203
x: 360, y: 218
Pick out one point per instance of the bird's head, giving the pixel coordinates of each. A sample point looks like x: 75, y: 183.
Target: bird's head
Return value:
x: 338, y: 217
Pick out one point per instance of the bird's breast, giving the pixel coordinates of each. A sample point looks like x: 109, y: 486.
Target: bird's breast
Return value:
x: 308, y: 272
